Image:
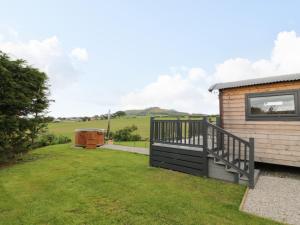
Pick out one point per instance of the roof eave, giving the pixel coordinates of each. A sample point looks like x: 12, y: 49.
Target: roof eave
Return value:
x: 212, y: 87
x: 253, y: 82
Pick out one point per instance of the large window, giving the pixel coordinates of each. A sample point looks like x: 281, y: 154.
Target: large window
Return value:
x: 273, y: 106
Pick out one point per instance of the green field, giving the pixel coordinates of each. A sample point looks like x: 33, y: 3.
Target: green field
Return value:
x: 62, y: 185
x: 67, y: 128
x: 142, y: 122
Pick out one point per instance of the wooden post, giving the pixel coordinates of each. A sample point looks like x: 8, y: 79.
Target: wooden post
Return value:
x: 151, y: 129
x: 108, y: 124
x: 205, y: 147
x: 151, y: 138
x: 178, y: 131
x: 205, y: 136
x: 251, y: 163
x: 218, y: 121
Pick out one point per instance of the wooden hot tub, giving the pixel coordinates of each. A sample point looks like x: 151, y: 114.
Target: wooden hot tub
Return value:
x: 89, y: 137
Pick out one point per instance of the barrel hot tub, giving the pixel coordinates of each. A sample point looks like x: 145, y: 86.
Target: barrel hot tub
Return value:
x: 89, y: 137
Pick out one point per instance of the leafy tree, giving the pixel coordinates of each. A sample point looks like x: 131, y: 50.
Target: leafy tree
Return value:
x: 96, y: 117
x: 49, y: 119
x: 118, y: 114
x: 104, y: 117
x: 23, y: 102
x: 86, y: 118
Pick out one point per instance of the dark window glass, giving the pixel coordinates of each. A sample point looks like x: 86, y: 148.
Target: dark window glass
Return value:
x: 273, y: 105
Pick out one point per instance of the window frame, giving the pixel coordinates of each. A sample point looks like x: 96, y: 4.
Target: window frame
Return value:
x: 269, y: 117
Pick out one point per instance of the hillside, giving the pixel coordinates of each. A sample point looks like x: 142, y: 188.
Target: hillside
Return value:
x: 155, y: 111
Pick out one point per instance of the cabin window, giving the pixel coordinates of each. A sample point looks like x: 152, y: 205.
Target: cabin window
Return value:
x: 273, y: 106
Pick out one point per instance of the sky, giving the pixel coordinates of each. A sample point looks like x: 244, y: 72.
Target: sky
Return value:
x: 119, y: 55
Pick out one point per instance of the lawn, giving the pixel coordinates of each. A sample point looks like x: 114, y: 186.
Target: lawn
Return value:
x: 67, y: 128
x: 62, y: 185
x: 141, y: 144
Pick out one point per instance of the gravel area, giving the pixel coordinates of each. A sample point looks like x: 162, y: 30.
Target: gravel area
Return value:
x: 144, y: 151
x: 275, y: 197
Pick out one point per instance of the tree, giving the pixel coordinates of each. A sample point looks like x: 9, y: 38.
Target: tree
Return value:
x: 103, y: 117
x: 118, y: 114
x: 96, y: 117
x: 23, y: 102
x: 85, y: 118
x: 49, y: 119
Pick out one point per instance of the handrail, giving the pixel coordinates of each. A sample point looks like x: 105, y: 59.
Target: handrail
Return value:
x: 228, y: 133
x: 233, y: 151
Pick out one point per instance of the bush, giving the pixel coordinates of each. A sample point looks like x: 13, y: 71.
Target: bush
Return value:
x: 135, y: 137
x: 126, y: 134
x: 51, y: 139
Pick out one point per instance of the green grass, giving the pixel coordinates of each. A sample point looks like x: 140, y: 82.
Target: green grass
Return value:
x: 141, y: 144
x: 62, y: 185
x: 67, y: 128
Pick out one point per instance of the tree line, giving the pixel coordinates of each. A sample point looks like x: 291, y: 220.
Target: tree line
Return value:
x: 89, y: 118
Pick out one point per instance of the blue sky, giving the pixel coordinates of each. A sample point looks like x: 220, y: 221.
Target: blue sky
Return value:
x: 134, y: 48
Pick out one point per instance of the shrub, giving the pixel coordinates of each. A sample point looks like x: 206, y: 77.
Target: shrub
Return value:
x: 135, y: 137
x: 63, y: 139
x: 51, y: 139
x: 126, y: 134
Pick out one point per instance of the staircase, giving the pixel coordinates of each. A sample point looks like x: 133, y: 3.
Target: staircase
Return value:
x: 220, y: 169
x: 230, y: 157
x: 223, y: 155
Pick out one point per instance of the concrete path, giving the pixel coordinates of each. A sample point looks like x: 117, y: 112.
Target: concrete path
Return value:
x: 275, y: 197
x: 144, y: 151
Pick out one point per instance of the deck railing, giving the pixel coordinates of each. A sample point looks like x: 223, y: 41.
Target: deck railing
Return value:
x: 178, y: 132
x: 233, y: 151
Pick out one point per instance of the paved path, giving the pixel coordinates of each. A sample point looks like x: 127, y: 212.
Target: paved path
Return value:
x: 275, y: 197
x: 144, y: 151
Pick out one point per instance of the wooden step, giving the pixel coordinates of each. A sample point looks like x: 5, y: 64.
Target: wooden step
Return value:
x: 231, y: 169
x: 256, y: 174
x: 219, y: 161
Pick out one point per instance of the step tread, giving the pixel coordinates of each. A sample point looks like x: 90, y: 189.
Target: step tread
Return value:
x: 230, y: 169
x: 256, y: 174
x: 233, y: 161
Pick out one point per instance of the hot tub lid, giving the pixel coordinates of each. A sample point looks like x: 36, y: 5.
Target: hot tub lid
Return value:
x: 91, y: 129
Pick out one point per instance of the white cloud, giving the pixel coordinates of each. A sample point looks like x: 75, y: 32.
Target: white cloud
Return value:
x: 80, y: 54
x: 285, y: 58
x: 48, y: 55
x: 186, y: 90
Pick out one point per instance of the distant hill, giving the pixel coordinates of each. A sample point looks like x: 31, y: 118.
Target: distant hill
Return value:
x: 155, y: 111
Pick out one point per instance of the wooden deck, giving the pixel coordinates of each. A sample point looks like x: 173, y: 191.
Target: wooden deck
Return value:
x: 187, y: 146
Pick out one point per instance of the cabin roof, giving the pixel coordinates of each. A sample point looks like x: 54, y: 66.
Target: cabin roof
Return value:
x: 257, y: 81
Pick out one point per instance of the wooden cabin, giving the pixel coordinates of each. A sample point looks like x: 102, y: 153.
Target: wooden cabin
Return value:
x: 267, y: 109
